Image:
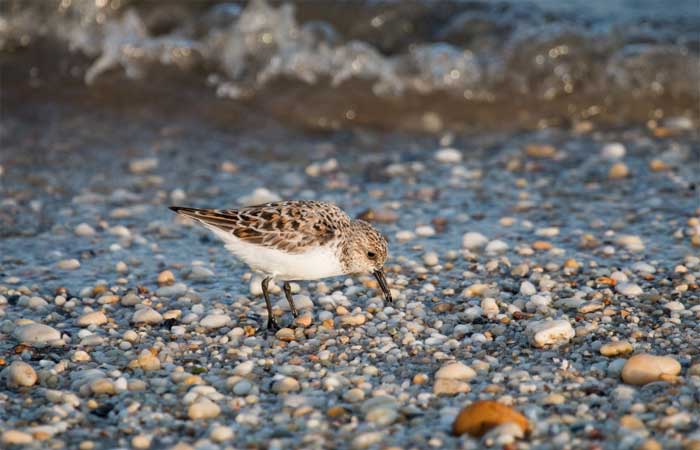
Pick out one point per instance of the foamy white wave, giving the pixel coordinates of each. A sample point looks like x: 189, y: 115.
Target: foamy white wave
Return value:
x: 481, y: 54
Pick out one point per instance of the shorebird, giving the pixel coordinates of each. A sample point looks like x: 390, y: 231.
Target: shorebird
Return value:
x: 296, y: 241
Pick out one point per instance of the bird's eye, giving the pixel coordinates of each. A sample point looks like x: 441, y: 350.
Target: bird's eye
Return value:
x: 371, y: 255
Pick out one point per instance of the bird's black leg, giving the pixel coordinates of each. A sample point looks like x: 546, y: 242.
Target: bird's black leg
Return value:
x: 288, y: 294
x: 271, y: 322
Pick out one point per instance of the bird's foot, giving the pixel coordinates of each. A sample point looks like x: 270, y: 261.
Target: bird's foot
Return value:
x: 272, y: 325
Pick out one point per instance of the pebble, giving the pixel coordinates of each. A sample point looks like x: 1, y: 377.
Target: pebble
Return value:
x: 632, y: 243
x: 549, y: 332
x: 143, y: 165
x: 20, y: 374
x: 285, y: 385
x: 146, y: 315
x: 455, y: 371
x: 92, y: 318
x: 451, y: 379
x: 613, y: 151
x: 243, y: 387
x: 645, y: 368
x: 674, y: 306
x: 629, y: 289
x: 354, y: 395
x: 244, y: 368
x: 496, y: 247
x: 141, y: 441
x: 431, y: 259
x: 540, y: 151
x: 16, y: 437
x: 285, y: 334
x: 203, y: 409
x: 353, y: 320
x: 527, y: 288
x: 481, y: 416
x: 175, y: 290
x: 36, y: 333
x: 366, y: 439
x: 474, y: 241
x: 200, y: 274
x: 148, y: 361
x: 425, y: 231
x: 214, y: 321
x: 258, y: 197
x: 229, y: 167
x: 68, y: 264
x: 103, y: 386
x: 618, y: 171
x: 448, y: 155
x: 84, y: 230
x: 221, y: 433
x: 166, y: 278
x: 489, y: 307
x: 616, y: 348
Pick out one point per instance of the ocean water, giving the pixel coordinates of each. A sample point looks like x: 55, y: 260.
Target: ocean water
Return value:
x: 419, y: 65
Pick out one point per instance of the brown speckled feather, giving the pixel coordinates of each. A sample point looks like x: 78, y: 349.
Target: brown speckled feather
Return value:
x: 292, y: 226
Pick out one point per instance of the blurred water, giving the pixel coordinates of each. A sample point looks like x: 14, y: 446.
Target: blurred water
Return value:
x: 417, y: 64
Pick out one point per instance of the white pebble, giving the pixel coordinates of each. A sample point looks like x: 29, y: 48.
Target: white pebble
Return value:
x: 474, y: 241
x: 613, y: 151
x: 629, y: 289
x: 146, y: 315
x: 549, y: 332
x: 213, y: 321
x: 68, y: 264
x: 259, y: 196
x: 425, y: 231
x: 455, y: 371
x: 36, y: 333
x: 527, y: 288
x: 496, y: 247
x: 448, y: 155
x: 84, y: 230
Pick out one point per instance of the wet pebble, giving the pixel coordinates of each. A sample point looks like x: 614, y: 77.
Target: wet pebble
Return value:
x: 84, y: 230
x: 68, y: 264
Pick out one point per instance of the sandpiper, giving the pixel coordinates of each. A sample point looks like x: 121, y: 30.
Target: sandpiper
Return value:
x: 295, y: 241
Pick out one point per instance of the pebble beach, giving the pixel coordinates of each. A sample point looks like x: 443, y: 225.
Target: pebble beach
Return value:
x: 534, y: 167
x: 526, y: 269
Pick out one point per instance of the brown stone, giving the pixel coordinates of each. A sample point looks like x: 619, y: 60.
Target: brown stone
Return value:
x: 479, y: 417
x: 540, y: 151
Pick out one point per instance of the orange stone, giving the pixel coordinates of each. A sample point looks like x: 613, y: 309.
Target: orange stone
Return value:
x: 481, y: 416
x: 541, y: 245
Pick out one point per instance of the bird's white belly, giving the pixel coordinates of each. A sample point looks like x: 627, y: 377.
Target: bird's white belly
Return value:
x: 319, y: 262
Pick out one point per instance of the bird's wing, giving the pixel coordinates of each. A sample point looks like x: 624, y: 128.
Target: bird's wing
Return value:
x: 292, y: 226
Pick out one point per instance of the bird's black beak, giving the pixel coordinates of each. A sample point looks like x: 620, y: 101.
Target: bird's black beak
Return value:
x: 381, y: 279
